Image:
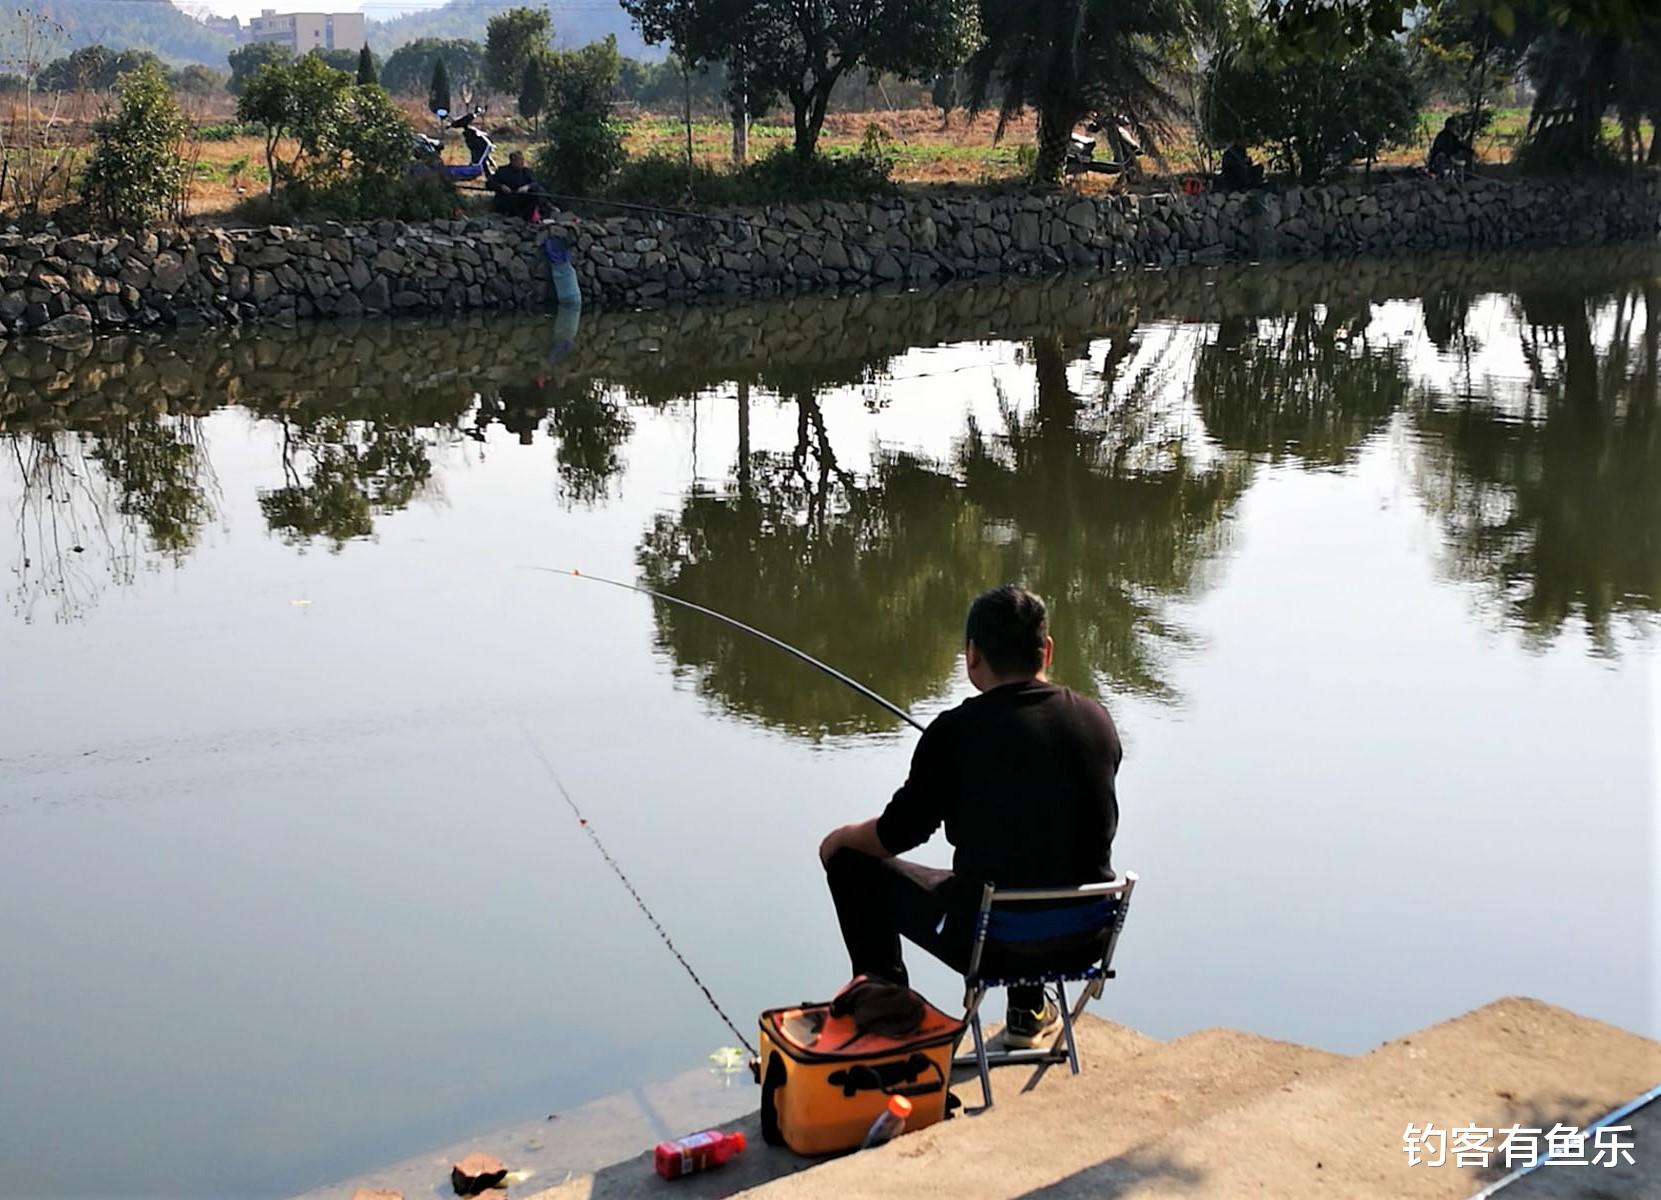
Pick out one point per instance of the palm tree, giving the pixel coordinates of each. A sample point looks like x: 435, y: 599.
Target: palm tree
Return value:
x: 1070, y: 59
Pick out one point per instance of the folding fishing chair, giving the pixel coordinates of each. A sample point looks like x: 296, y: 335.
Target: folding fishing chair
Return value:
x: 1006, y: 923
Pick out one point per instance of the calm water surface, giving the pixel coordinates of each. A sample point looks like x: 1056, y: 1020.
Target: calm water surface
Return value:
x: 1365, y: 560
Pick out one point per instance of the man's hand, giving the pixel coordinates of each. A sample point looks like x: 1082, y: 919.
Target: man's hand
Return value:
x: 832, y: 843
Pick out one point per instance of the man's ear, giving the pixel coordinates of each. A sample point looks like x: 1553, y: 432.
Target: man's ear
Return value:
x: 1049, y: 651
x: 971, y: 655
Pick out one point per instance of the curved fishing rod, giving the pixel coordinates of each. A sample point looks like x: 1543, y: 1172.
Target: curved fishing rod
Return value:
x: 629, y: 206
x: 750, y: 629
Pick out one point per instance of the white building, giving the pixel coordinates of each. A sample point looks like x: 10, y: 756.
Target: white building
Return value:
x: 303, y: 32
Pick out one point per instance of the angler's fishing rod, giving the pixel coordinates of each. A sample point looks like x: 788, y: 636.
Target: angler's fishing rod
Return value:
x: 539, y: 194
x: 617, y: 870
x: 750, y: 629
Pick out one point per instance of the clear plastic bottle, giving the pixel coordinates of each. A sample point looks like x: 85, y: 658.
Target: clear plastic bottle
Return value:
x: 890, y: 1123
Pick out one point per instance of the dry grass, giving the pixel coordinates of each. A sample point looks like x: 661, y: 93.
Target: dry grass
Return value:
x: 924, y: 147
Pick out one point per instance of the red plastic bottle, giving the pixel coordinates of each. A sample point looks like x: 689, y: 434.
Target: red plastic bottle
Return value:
x: 700, y: 1151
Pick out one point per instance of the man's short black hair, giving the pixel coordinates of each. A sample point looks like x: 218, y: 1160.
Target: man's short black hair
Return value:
x: 1008, y: 626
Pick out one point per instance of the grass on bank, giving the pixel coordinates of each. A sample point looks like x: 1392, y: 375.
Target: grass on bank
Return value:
x: 921, y: 148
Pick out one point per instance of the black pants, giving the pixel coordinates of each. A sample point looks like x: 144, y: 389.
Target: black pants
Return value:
x: 515, y: 204
x: 879, y: 899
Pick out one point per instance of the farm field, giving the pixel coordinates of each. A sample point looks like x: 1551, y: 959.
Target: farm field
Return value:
x: 923, y: 147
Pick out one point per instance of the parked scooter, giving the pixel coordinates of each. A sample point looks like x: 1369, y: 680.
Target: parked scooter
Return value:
x: 481, y: 150
x: 481, y: 162
x: 1081, y: 151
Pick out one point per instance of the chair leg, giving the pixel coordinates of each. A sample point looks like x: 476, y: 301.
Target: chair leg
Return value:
x: 984, y: 1067
x: 1067, y: 1025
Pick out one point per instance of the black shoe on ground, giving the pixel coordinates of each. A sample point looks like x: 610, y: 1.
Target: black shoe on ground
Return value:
x: 1026, y: 1029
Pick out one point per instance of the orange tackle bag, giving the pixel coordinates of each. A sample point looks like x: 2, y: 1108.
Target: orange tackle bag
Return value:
x: 827, y: 1070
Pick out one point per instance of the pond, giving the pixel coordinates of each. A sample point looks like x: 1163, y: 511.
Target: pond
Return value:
x: 1365, y: 559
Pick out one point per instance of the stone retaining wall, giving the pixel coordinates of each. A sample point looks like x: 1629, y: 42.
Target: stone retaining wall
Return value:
x: 76, y: 285
x: 417, y: 366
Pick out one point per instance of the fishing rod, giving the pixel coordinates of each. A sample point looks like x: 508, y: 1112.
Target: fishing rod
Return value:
x: 750, y: 629
x: 617, y: 870
x: 539, y: 194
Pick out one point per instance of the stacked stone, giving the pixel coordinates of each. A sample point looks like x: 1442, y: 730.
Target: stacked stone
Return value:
x: 56, y: 383
x: 75, y: 285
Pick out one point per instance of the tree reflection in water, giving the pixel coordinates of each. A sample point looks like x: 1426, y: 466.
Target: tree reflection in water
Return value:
x: 1106, y: 482
x: 90, y: 504
x: 1311, y: 385
x: 1096, y: 504
x: 1551, y: 496
x: 863, y: 572
x: 1110, y: 512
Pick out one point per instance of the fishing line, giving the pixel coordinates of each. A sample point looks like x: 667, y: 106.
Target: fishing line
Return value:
x: 624, y: 879
x: 538, y: 193
x: 750, y: 629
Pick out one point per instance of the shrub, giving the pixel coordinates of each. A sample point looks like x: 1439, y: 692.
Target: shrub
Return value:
x: 781, y: 175
x: 584, y: 147
x: 228, y: 131
x: 292, y: 101
x: 138, y: 169
x: 348, y: 198
x: 584, y: 150
x: 1315, y: 113
x: 1557, y: 148
x: 777, y: 177
x: 663, y: 178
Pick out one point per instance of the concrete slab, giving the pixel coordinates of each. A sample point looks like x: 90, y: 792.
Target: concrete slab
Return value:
x: 1340, y: 1132
x: 571, y: 1143
x: 1625, y: 1181
x: 1128, y: 1093
x: 1100, y: 1043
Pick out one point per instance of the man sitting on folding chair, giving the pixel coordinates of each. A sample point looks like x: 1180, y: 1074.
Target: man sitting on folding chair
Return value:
x: 1021, y: 775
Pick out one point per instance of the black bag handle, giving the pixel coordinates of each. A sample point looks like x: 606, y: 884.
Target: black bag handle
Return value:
x: 774, y: 1080
x: 891, y: 1078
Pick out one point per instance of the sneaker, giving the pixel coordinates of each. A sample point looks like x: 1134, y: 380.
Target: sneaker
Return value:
x: 1026, y: 1029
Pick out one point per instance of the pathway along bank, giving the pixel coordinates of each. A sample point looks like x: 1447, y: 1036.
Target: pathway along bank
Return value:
x: 68, y: 286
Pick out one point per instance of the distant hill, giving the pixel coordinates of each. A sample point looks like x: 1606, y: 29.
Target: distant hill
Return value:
x: 153, y: 25
x: 576, y: 23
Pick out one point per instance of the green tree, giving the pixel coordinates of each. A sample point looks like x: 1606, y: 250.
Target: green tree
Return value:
x: 510, y: 40
x: 1579, y: 78
x: 438, y: 90
x: 584, y: 147
x: 366, y: 66
x: 1467, y: 57
x: 137, y: 171
x: 805, y: 49
x: 340, y: 58
x: 1316, y: 112
x: 298, y: 100
x: 745, y: 42
x: 409, y: 68
x: 197, y: 80
x: 533, y: 89
x: 1069, y: 59
x: 1324, y: 26
x: 94, y: 69
x: 247, y: 60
